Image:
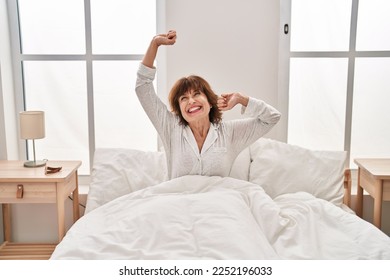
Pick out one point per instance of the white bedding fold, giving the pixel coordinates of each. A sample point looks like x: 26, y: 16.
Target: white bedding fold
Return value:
x: 197, y: 217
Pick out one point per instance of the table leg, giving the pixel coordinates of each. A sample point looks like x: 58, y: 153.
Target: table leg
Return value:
x: 7, y: 221
x: 378, y: 203
x: 76, y: 210
x: 60, y: 216
x: 359, y: 197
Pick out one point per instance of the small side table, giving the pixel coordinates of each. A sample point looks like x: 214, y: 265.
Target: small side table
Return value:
x: 19, y: 184
x: 373, y: 177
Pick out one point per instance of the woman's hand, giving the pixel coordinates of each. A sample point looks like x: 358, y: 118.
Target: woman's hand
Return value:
x: 228, y: 100
x: 165, y: 39
x: 158, y: 40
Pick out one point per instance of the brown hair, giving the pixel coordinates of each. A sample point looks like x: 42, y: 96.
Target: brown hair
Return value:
x: 193, y: 82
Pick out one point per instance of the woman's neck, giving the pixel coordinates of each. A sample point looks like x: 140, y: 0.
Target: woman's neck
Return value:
x: 200, y: 131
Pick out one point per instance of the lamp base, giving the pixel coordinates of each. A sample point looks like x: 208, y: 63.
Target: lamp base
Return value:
x: 37, y: 163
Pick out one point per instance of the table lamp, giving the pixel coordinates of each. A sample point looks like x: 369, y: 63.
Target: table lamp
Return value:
x: 32, y: 126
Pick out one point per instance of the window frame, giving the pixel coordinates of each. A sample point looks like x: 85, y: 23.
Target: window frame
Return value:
x: 351, y: 55
x: 18, y: 58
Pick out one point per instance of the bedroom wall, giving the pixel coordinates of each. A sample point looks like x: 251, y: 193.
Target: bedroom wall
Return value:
x: 7, y: 113
x: 231, y: 43
x: 8, y: 133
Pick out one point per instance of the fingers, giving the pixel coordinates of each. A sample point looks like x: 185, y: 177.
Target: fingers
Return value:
x: 226, y: 101
x: 222, y: 103
x: 166, y: 39
x: 171, y: 34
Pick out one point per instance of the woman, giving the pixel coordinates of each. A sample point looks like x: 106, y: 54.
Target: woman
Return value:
x: 195, y: 139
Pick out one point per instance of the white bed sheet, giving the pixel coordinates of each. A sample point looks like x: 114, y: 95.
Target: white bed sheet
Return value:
x: 196, y: 217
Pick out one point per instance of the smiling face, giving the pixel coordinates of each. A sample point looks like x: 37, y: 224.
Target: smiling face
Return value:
x: 192, y: 99
x: 194, y: 106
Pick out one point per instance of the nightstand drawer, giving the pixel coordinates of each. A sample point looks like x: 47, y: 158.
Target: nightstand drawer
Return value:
x: 28, y: 192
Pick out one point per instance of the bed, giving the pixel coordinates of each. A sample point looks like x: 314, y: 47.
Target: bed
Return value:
x: 280, y: 201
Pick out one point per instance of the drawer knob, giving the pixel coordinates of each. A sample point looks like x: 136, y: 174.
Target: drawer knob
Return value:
x: 19, y: 192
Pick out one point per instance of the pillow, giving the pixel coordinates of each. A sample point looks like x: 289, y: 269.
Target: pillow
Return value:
x: 117, y: 171
x: 240, y: 167
x: 282, y: 168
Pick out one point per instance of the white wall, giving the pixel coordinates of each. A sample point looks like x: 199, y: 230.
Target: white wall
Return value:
x: 9, y: 134
x: 231, y: 43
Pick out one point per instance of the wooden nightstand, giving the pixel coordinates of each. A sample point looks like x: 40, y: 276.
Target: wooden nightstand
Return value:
x: 19, y: 184
x: 373, y: 177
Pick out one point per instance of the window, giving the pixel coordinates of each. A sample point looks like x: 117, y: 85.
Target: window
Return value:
x: 339, y: 60
x: 78, y: 62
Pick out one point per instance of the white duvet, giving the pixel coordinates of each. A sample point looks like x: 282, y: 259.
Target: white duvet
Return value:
x: 195, y: 217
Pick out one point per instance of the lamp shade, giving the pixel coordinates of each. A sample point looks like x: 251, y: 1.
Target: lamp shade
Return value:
x: 32, y: 124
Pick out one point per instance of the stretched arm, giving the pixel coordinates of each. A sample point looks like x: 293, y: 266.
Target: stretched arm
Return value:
x: 261, y: 118
x: 157, y: 41
x: 156, y: 110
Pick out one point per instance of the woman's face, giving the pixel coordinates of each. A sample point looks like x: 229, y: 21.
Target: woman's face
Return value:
x: 194, y: 106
